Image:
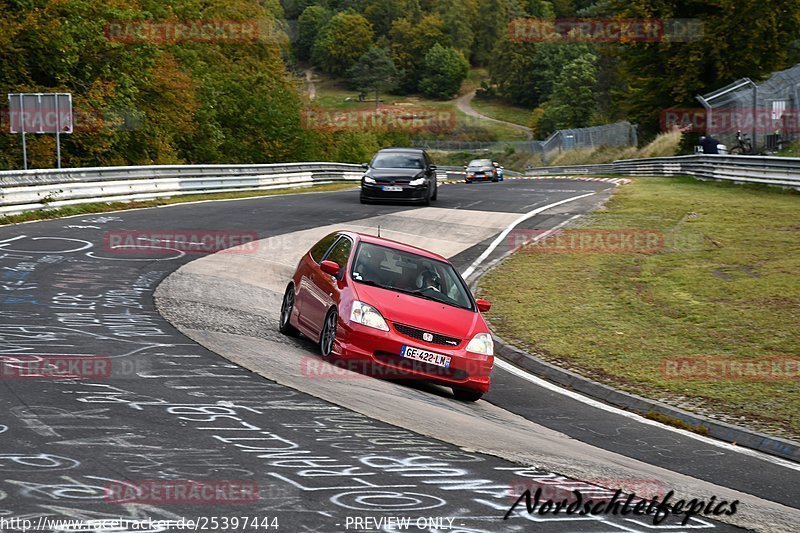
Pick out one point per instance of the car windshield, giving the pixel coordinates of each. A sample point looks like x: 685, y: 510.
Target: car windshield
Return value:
x: 480, y: 163
x: 396, y: 160
x: 410, y: 273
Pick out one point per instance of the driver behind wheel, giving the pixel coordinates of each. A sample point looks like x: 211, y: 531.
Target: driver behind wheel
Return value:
x: 430, y: 280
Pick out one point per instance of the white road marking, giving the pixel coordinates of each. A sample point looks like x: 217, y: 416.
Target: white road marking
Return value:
x: 508, y: 367
x: 513, y: 225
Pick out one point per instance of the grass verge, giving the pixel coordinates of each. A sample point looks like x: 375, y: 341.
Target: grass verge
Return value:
x: 99, y: 207
x: 500, y: 110
x: 725, y: 285
x: 664, y: 145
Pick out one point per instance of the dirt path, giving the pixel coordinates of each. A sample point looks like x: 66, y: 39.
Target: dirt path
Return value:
x: 310, y: 85
x: 464, y: 103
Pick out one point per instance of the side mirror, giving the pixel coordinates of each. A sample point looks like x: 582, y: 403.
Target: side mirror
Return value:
x: 483, y: 305
x: 365, y: 166
x: 432, y: 167
x: 330, y: 267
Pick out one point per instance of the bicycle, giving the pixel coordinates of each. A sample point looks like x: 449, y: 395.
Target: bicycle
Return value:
x: 743, y: 145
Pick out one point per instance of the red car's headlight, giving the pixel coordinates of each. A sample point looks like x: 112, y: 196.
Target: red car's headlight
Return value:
x: 481, y: 343
x: 366, y: 315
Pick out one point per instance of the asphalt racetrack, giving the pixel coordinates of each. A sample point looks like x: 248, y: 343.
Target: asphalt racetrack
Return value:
x: 201, y: 386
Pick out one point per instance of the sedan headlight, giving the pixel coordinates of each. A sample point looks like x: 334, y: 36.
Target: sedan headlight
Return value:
x: 366, y: 315
x: 367, y: 179
x: 418, y: 181
x: 481, y: 343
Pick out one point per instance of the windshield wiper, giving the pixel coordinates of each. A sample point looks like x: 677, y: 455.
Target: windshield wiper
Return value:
x: 421, y: 294
x: 370, y: 282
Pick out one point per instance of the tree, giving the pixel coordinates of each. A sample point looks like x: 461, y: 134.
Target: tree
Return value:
x: 293, y: 8
x: 738, y: 38
x: 382, y: 13
x: 146, y: 102
x: 524, y: 72
x: 445, y: 69
x: 572, y: 102
x: 344, y: 38
x: 309, y: 24
x: 490, y: 26
x: 410, y: 43
x: 458, y: 17
x: 375, y: 71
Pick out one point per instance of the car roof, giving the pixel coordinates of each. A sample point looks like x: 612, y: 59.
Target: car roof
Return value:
x: 409, y: 150
x: 396, y: 245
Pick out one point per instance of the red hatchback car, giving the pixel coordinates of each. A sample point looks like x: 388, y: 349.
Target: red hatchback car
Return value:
x: 396, y: 310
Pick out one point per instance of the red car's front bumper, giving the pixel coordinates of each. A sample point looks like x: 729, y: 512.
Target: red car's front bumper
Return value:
x: 377, y: 353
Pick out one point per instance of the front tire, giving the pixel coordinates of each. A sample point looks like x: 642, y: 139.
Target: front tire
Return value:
x: 467, y: 395
x: 427, y: 200
x: 435, y: 192
x: 328, y: 336
x: 285, y: 325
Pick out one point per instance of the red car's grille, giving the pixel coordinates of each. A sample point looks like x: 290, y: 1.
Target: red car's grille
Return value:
x: 434, y: 338
x: 399, y: 362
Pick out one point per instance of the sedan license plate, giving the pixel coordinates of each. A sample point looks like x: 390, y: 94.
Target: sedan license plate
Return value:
x: 425, y: 356
x: 392, y: 188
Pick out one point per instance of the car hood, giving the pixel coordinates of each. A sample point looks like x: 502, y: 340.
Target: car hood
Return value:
x: 394, y: 173
x: 473, y: 169
x: 421, y: 312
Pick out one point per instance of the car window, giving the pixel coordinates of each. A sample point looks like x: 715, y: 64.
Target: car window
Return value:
x: 410, y: 273
x: 318, y: 250
x: 392, y: 160
x: 340, y: 252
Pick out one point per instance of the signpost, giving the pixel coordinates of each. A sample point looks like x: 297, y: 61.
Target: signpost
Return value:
x: 40, y: 113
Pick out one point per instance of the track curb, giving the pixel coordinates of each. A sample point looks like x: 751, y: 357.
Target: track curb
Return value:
x: 736, y: 435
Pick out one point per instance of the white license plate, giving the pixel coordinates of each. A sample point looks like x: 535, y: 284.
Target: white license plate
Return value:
x: 392, y: 188
x: 425, y: 356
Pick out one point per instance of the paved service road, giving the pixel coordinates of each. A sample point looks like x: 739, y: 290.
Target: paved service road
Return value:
x: 167, y: 408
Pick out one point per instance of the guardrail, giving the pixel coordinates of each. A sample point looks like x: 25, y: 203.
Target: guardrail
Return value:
x: 779, y: 171
x: 573, y: 169
x: 31, y: 190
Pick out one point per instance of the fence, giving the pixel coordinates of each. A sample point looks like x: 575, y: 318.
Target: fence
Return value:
x: 617, y: 134
x: 756, y: 109
x: 479, y: 146
x: 779, y: 171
